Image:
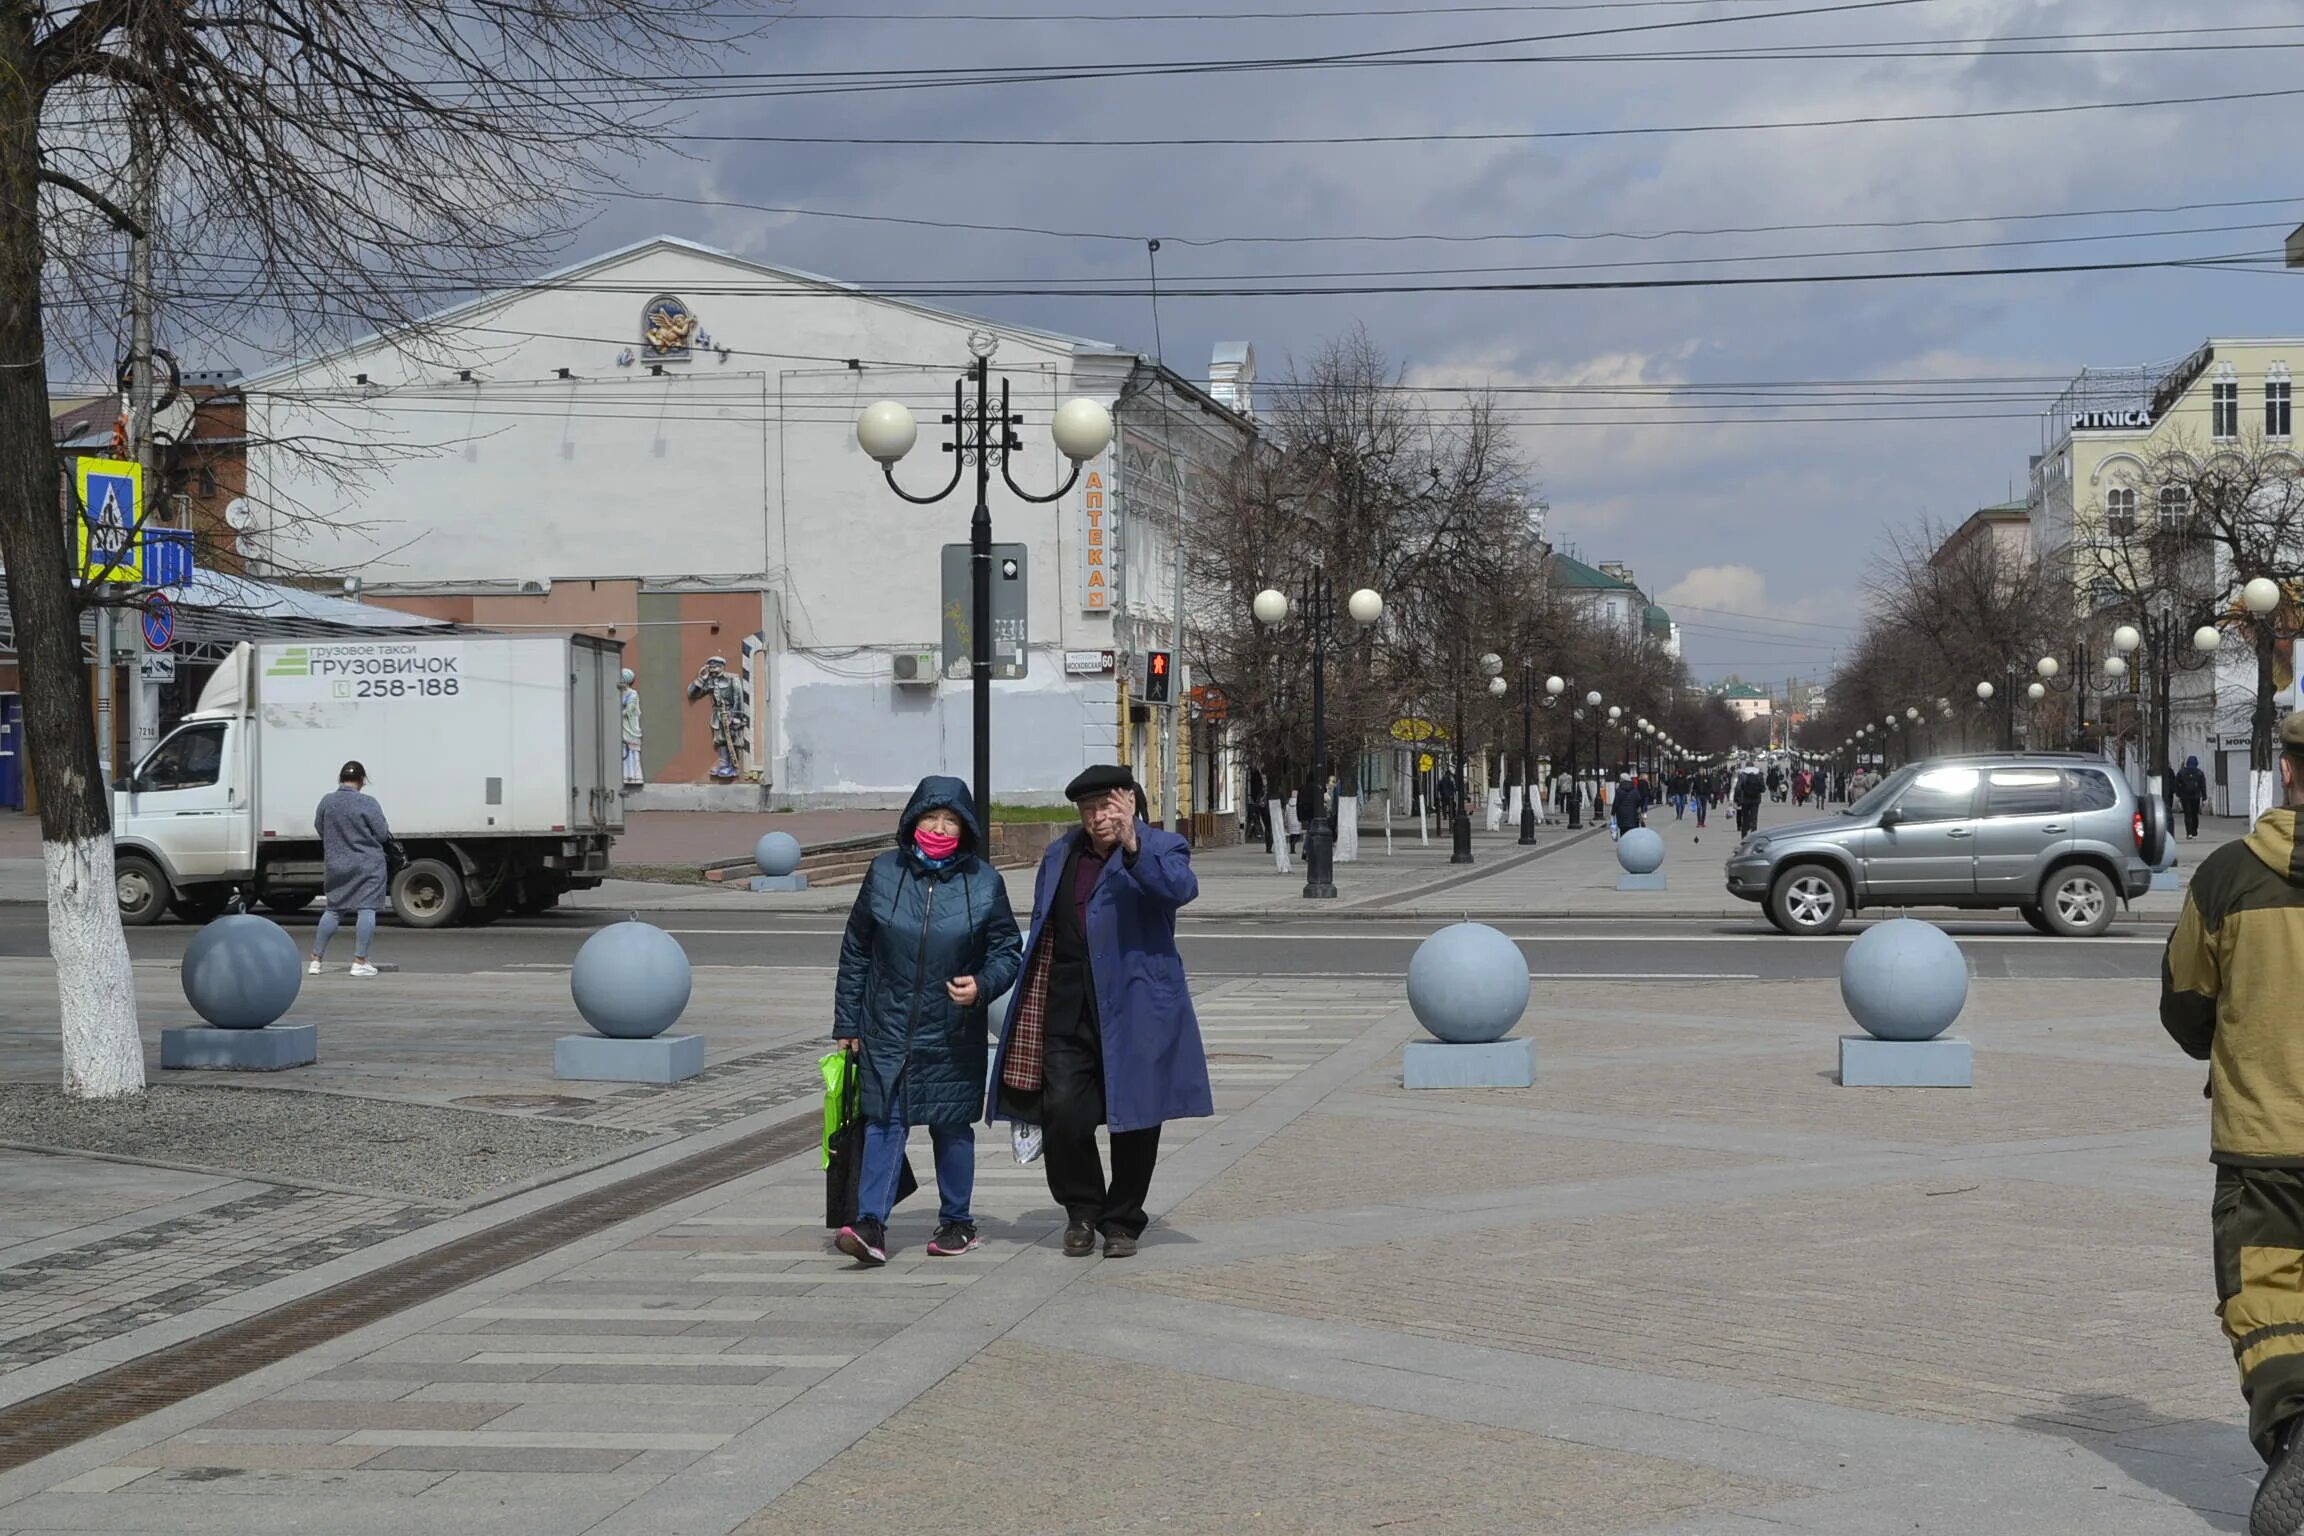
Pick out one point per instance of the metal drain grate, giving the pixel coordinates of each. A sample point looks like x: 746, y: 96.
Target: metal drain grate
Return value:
x: 41, y: 1425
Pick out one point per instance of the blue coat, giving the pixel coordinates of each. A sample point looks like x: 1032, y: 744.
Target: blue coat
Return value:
x: 1154, y: 1066
x: 913, y: 928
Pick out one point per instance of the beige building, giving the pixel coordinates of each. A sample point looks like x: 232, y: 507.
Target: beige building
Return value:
x: 2095, y: 483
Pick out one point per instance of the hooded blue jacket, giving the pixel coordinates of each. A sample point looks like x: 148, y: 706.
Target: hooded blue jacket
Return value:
x: 915, y: 927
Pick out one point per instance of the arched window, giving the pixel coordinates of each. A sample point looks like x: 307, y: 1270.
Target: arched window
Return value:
x: 2120, y: 512
x: 2175, y: 506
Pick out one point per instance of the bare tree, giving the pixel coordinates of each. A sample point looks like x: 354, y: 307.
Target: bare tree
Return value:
x: 1969, y: 611
x: 341, y: 166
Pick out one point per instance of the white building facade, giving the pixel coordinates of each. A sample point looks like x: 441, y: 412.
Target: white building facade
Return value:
x: 659, y: 445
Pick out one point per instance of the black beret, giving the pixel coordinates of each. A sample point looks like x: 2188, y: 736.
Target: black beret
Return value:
x: 1099, y: 780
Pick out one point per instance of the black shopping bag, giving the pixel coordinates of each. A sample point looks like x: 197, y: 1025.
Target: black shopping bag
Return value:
x: 844, y: 1156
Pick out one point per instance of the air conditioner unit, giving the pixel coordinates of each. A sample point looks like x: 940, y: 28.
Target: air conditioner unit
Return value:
x: 917, y: 668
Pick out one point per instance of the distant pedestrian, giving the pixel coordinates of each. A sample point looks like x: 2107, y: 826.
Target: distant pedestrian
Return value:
x: 356, y: 855
x: 1103, y: 1032
x: 1751, y: 788
x: 1702, y: 795
x: 1628, y: 797
x: 2233, y: 970
x: 931, y: 941
x: 1259, y: 822
x: 2191, y: 789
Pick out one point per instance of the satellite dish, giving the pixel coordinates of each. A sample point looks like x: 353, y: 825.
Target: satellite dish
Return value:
x: 238, y: 515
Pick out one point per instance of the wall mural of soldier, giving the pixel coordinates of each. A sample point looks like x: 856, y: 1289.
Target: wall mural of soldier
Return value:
x: 731, y: 721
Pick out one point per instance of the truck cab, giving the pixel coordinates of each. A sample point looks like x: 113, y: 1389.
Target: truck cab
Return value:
x: 183, y: 823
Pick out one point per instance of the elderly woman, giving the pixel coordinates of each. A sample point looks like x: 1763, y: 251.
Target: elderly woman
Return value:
x: 931, y: 942
x: 355, y: 846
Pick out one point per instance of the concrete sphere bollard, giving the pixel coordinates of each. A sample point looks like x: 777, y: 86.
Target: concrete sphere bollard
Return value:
x: 242, y: 972
x: 1904, y: 980
x: 777, y: 854
x: 1468, y: 984
x: 631, y: 981
x: 1640, y: 851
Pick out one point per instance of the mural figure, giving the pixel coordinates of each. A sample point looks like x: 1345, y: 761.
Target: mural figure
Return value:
x: 631, y: 701
x: 731, y: 724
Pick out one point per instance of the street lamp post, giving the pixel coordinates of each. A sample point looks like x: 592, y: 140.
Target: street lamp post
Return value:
x: 886, y: 432
x: 1592, y: 707
x: 2085, y: 679
x: 1317, y: 607
x: 2266, y: 601
x: 1460, y: 829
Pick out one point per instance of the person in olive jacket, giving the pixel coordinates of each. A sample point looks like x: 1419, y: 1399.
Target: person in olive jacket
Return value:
x: 931, y: 942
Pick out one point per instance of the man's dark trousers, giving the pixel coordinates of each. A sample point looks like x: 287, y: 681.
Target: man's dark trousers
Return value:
x: 1074, y: 1107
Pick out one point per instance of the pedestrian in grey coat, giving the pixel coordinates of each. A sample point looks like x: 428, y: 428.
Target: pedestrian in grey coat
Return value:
x: 355, y: 844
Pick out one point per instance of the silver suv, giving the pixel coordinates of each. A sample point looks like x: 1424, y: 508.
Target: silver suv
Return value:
x: 2059, y: 836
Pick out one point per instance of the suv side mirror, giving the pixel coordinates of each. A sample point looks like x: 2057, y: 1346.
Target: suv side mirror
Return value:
x: 1891, y: 819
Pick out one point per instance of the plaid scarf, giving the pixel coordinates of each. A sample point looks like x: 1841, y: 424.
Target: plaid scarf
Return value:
x: 1023, y: 1066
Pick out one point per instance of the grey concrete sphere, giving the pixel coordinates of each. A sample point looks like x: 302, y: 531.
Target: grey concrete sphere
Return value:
x: 242, y: 972
x: 1904, y: 980
x: 777, y: 853
x: 631, y: 981
x: 1640, y: 851
x: 1468, y: 984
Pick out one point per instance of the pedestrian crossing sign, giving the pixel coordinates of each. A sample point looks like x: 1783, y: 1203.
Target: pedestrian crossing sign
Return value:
x: 111, y: 496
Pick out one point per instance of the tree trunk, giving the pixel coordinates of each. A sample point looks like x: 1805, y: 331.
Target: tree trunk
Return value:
x: 103, y: 1049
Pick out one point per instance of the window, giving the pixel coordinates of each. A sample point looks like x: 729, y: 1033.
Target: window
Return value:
x: 2024, y: 792
x: 2279, y: 413
x: 2224, y: 406
x: 2175, y: 506
x: 2120, y: 513
x: 207, y: 480
x: 193, y: 758
x: 1940, y: 794
x: 2092, y: 791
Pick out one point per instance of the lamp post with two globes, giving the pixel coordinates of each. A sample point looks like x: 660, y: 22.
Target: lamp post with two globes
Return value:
x: 1316, y: 607
x: 886, y: 432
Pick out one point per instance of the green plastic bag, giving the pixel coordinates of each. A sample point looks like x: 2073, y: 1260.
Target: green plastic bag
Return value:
x: 837, y: 1068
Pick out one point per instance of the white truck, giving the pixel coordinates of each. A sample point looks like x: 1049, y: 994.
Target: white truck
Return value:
x: 497, y: 758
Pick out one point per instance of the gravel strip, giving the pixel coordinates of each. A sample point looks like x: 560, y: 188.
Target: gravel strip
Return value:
x: 419, y: 1150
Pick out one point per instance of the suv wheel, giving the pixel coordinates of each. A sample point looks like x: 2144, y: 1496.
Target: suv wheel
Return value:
x: 1808, y: 900
x: 2077, y: 901
x: 2037, y: 918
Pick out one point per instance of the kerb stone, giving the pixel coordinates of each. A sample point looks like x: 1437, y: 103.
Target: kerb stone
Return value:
x: 659, y: 1059
x: 1944, y: 1062
x: 274, y: 1048
x: 1509, y: 1063
x: 765, y: 883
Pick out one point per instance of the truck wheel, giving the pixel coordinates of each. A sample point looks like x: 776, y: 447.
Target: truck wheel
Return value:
x: 428, y: 894
x: 2077, y: 901
x: 287, y: 903
x: 200, y: 904
x: 1808, y: 901
x: 141, y: 888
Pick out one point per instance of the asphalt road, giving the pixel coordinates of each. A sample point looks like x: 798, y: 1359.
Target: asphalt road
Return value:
x: 1645, y: 950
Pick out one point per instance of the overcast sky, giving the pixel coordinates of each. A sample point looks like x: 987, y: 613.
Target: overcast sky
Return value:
x: 1768, y: 519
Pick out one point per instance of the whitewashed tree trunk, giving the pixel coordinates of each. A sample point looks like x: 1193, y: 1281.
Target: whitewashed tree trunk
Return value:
x: 1347, y: 829
x: 103, y: 1048
x: 1278, y: 809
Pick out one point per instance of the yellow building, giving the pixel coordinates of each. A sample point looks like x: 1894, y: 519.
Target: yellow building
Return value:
x: 2104, y: 447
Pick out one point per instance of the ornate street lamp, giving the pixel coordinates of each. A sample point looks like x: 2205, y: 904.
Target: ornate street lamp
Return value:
x: 1317, y: 607
x: 886, y: 432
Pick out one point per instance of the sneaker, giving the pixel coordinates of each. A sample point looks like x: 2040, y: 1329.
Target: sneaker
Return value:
x: 313, y: 969
x: 1119, y: 1245
x: 866, y: 1242
x: 1025, y: 1140
x: 362, y: 968
x: 1079, y: 1240
x: 953, y: 1238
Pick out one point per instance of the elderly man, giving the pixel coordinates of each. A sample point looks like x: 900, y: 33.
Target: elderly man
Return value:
x: 1102, y: 1031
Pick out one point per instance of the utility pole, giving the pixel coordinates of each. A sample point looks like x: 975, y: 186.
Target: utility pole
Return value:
x: 143, y: 697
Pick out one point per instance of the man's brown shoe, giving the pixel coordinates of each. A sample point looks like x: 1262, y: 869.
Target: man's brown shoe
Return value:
x: 1119, y: 1245
x: 1079, y: 1240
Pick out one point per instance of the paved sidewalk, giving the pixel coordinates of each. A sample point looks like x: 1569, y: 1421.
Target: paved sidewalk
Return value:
x: 1685, y: 1286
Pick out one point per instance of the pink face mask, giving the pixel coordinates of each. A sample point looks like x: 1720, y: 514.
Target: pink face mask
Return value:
x: 936, y: 846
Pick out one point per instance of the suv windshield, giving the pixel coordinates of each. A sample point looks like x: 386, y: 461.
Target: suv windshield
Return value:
x: 1885, y: 795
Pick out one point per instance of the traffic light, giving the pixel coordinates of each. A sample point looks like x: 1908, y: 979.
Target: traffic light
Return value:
x: 1156, y: 677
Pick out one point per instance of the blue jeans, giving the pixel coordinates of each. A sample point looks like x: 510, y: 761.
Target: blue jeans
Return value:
x: 363, y: 933
x: 884, y: 1153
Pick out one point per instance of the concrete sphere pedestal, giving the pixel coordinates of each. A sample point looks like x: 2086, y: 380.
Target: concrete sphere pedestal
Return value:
x: 778, y: 855
x: 1905, y: 981
x: 631, y: 982
x: 1640, y: 854
x: 1468, y: 984
x: 242, y: 975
